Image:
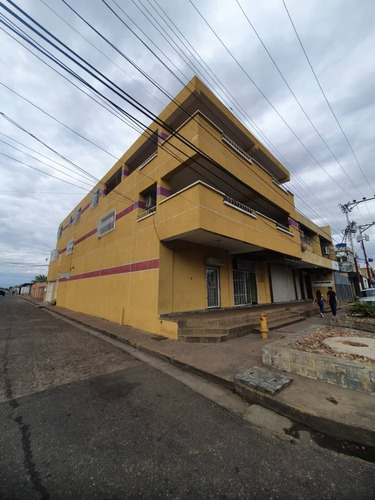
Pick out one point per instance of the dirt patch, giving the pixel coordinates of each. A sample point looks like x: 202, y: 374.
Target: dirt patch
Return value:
x: 314, y: 343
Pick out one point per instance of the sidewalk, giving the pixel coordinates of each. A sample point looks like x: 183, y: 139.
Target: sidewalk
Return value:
x: 331, y: 409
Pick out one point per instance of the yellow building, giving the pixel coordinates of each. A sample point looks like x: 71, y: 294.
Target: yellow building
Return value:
x: 193, y: 216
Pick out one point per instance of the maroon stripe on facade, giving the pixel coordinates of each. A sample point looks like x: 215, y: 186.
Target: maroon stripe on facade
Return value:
x: 162, y: 191
x: 85, y: 236
x: 119, y: 215
x: 85, y: 208
x: 145, y: 265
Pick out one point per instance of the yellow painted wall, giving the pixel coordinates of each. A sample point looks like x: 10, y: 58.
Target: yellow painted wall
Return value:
x: 179, y: 284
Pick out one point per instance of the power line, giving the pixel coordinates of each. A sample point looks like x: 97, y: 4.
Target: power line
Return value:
x: 269, y: 102
x: 97, y: 48
x: 294, y: 95
x: 90, y: 73
x: 38, y: 170
x: 232, y: 99
x: 324, y: 95
x: 58, y: 121
x: 44, y: 163
x: 174, y: 100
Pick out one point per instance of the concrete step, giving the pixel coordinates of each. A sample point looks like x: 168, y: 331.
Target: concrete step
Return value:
x: 232, y: 332
x: 208, y: 332
x: 281, y: 322
x: 206, y: 338
x: 231, y: 318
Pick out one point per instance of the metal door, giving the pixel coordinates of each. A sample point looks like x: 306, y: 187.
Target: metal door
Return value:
x: 213, y: 287
x: 244, y: 288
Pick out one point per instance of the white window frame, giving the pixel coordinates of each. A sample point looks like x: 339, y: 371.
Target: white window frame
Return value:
x: 106, y: 223
x: 59, y: 231
x: 54, y: 255
x: 70, y: 247
x: 95, y: 195
x: 77, y: 215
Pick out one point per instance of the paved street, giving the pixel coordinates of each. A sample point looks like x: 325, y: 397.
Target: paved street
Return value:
x: 81, y: 418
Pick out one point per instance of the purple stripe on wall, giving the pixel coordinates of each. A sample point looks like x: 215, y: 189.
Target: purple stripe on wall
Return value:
x: 162, y: 191
x: 162, y: 136
x: 293, y: 223
x: 125, y: 173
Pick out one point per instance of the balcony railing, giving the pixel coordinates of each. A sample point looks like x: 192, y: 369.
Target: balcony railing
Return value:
x: 236, y: 147
x: 282, y: 227
x: 151, y: 157
x: 236, y: 204
x: 147, y: 212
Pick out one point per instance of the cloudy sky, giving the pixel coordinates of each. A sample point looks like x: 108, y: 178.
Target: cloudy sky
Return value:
x: 300, y: 75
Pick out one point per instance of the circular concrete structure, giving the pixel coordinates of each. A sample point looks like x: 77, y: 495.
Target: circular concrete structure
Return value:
x: 361, y: 346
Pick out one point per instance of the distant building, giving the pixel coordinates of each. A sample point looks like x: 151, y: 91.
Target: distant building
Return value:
x: 194, y: 216
x: 25, y: 289
x: 38, y: 290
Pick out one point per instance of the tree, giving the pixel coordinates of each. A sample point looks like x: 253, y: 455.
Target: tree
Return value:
x: 40, y: 278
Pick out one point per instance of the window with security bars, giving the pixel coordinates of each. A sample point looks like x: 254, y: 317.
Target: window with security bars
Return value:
x: 106, y: 223
x: 94, y: 198
x: 54, y: 255
x: 70, y: 247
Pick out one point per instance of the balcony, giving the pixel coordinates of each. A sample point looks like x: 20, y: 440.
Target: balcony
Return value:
x: 204, y: 215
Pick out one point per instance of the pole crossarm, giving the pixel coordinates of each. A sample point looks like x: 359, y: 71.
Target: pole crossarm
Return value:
x: 348, y: 207
x: 363, y: 227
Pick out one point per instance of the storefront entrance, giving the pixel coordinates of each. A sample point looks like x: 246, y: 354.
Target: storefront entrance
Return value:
x: 244, y: 287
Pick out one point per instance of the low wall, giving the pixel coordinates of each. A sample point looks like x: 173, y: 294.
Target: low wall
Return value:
x: 355, y: 375
x: 357, y: 323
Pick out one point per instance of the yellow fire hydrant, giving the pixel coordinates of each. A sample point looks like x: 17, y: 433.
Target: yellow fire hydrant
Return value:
x: 263, y: 325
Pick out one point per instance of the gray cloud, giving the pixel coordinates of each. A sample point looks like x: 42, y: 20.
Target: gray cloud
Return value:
x: 337, y: 35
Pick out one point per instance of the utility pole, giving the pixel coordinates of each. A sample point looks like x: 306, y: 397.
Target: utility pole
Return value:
x: 361, y: 239
x: 346, y: 208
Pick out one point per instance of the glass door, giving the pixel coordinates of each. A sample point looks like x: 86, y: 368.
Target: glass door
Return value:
x: 213, y: 287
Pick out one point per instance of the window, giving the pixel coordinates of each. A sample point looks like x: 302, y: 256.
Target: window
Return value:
x: 113, y: 181
x: 70, y: 221
x: 70, y: 247
x: 54, y: 255
x: 150, y: 200
x: 106, y: 223
x: 59, y: 232
x: 77, y: 215
x: 94, y: 198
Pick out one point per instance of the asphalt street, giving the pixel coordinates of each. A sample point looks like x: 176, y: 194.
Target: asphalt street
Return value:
x: 81, y: 418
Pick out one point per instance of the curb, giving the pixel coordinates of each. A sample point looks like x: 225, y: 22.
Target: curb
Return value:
x: 322, y: 424
x: 328, y: 426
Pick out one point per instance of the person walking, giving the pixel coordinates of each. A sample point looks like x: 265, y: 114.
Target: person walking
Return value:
x: 319, y: 299
x: 332, y: 299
